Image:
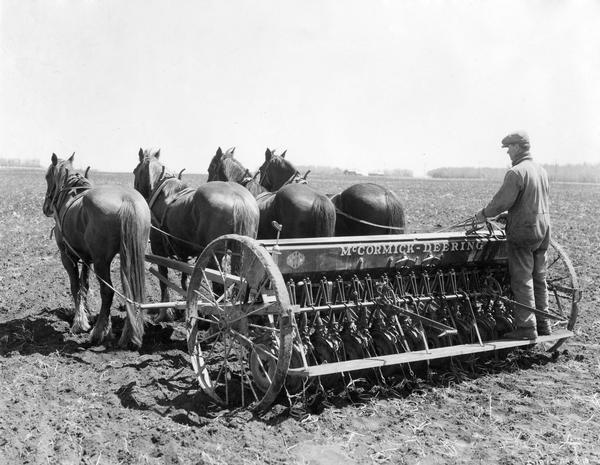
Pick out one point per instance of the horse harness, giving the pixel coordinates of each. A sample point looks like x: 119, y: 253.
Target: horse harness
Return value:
x: 158, y: 223
x: 60, y: 212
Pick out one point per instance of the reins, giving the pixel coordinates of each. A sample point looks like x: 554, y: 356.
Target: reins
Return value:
x: 471, y: 226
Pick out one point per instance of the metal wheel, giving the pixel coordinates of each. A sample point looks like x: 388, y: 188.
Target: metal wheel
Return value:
x: 564, y: 291
x: 239, y: 322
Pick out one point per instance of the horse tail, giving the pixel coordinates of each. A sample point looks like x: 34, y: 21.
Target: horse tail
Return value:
x: 134, y: 237
x: 323, y: 214
x: 395, y: 212
x: 245, y: 216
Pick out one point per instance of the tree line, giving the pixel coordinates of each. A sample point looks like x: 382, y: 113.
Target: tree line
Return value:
x: 19, y: 163
x: 565, y: 173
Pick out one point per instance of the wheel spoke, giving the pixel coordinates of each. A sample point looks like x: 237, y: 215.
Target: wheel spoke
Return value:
x: 253, y: 312
x: 219, y: 269
x: 207, y: 286
x: 251, y: 344
x: 250, y: 384
x: 266, y: 328
x: 208, y: 338
x: 244, y: 270
x: 224, y: 369
x: 242, y: 390
x: 205, y: 320
x: 226, y: 293
x: 265, y: 371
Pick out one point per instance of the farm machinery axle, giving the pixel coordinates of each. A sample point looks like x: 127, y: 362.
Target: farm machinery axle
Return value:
x: 264, y: 316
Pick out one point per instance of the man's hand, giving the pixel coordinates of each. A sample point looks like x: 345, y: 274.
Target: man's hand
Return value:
x: 480, y: 217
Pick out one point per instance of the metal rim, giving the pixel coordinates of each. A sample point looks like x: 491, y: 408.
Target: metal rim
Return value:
x: 563, y: 287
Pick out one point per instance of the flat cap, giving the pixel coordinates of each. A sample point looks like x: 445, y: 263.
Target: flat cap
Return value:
x: 519, y: 137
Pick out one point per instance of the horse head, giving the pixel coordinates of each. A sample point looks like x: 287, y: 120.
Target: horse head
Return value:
x: 149, y: 172
x: 224, y: 167
x: 56, y: 175
x: 215, y: 167
x: 276, y: 171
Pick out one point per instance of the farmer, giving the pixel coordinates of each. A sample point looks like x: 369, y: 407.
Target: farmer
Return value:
x: 524, y: 193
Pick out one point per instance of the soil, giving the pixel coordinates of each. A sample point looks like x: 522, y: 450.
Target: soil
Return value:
x: 63, y: 401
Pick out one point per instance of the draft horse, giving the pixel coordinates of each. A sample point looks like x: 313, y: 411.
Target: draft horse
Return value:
x: 185, y: 220
x: 93, y: 224
x: 361, y: 209
x: 301, y: 211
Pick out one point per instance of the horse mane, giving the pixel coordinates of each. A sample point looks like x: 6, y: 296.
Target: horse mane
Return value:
x: 77, y: 180
x: 225, y: 167
x: 73, y: 185
x: 233, y: 169
x: 170, y: 188
x: 282, y: 163
x: 174, y: 187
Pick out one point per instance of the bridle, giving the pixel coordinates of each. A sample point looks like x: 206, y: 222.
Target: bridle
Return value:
x: 160, y: 185
x: 67, y: 195
x: 57, y: 196
x: 296, y: 177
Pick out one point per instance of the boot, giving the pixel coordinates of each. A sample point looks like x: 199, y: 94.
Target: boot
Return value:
x: 543, y: 327
x: 521, y: 334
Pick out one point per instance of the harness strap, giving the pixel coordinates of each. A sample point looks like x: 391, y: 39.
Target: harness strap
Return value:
x: 246, y: 180
x: 159, y: 222
x: 295, y: 178
x: 65, y: 208
x: 158, y: 190
x: 358, y: 220
x: 264, y: 195
x: 165, y: 233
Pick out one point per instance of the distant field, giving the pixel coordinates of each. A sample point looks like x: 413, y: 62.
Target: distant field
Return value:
x: 64, y: 402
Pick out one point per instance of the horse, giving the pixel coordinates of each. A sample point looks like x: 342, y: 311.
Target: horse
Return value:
x: 93, y: 224
x: 300, y: 210
x: 185, y: 219
x: 368, y: 209
x: 361, y: 209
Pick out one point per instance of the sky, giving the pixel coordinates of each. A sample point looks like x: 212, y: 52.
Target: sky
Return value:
x: 366, y: 85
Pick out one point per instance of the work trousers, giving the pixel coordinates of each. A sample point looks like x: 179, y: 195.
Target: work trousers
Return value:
x: 527, y: 268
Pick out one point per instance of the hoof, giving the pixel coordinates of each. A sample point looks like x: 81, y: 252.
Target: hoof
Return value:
x: 129, y: 345
x: 101, y: 335
x: 81, y: 324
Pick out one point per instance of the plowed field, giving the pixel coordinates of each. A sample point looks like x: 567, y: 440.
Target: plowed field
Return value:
x: 63, y: 401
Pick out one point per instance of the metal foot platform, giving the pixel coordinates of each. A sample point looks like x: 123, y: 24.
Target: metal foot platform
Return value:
x: 422, y: 355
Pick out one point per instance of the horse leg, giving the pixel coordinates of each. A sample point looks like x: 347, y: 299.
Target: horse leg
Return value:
x: 184, y: 286
x: 103, y: 328
x: 164, y: 290
x: 164, y: 314
x: 80, y: 321
x: 69, y: 261
x: 184, y: 281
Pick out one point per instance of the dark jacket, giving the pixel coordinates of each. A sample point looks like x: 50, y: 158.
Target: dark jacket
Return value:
x: 524, y: 193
